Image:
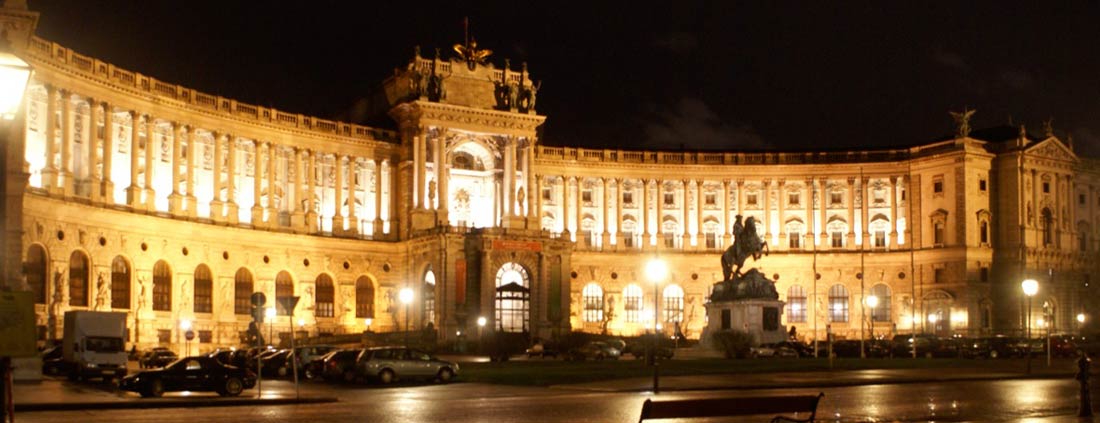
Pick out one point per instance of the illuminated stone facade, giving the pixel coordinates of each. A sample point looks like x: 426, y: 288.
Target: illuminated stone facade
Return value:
x: 171, y: 204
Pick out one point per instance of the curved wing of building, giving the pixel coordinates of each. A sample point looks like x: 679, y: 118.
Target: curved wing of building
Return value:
x: 174, y: 205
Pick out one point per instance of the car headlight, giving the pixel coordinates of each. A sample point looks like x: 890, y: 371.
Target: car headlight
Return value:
x: 91, y: 365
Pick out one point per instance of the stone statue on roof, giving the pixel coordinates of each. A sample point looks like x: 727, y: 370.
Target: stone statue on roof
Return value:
x: 962, y: 122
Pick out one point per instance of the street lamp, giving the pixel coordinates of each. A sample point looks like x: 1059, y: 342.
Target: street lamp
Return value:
x: 872, y: 301
x: 14, y: 76
x: 656, y: 270
x: 406, y: 297
x: 1080, y: 322
x: 367, y: 322
x: 1030, y: 287
x: 185, y: 326
x: 269, y: 313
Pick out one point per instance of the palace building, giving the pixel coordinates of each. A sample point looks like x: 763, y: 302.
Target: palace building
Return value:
x: 126, y: 193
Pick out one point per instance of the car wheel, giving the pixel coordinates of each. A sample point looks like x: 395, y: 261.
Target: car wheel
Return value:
x: 310, y: 375
x: 156, y: 388
x: 349, y: 376
x: 233, y: 387
x: 445, y: 375
x: 386, y: 376
x: 282, y: 372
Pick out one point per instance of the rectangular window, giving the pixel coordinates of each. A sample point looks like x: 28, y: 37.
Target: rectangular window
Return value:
x: 981, y: 185
x: 670, y: 240
x: 983, y: 274
x: 880, y: 239
x: 632, y: 304
x: 164, y: 336
x: 837, y: 239
x: 1046, y: 187
x: 1081, y: 199
x: 709, y: 199
x: 628, y: 198
x: 836, y: 199
x: 1083, y: 242
x: 937, y: 187
x: 795, y: 239
x: 793, y: 198
x: 546, y: 194
x: 937, y: 233
x: 939, y: 275
x: 711, y: 240
x: 750, y: 199
x: 903, y: 195
x: 628, y: 239
x: 670, y: 199
x: 586, y: 196
x: 593, y: 308
x: 206, y: 336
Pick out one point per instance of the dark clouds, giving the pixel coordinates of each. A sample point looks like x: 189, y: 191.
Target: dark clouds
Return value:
x: 692, y: 125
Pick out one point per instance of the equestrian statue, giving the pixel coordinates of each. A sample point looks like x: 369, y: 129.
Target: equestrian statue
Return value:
x: 746, y: 243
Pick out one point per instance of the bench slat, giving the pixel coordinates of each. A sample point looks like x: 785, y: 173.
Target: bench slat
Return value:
x: 737, y: 406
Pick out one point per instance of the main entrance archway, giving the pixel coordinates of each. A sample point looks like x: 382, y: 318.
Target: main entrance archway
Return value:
x: 513, y: 298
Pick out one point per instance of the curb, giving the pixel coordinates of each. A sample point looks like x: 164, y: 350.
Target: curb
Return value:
x: 138, y: 404
x: 821, y: 384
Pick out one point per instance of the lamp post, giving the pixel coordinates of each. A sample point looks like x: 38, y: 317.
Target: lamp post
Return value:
x: 185, y: 326
x: 367, y: 322
x: 656, y: 270
x: 480, y: 324
x: 872, y: 301
x: 1030, y: 287
x: 406, y: 297
x: 269, y: 313
x: 1080, y: 322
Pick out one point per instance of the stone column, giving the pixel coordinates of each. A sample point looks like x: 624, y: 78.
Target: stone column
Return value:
x: 298, y: 215
x: 190, y: 201
x: 67, y: 143
x: 605, y: 205
x: 107, y: 186
x: 864, y: 188
x: 391, y: 215
x: 808, y: 236
x: 311, y: 208
x: 727, y: 227
x: 133, y: 192
x: 49, y: 172
x: 272, y: 211
x: 175, y: 199
x: 443, y: 183
x: 659, y: 229
x: 538, y: 202
x: 150, y: 199
x: 580, y: 205
x: 618, y: 212
x: 257, y: 185
x: 217, y: 207
x: 767, y: 185
x: 353, y: 195
x: 338, y: 213
x: 824, y: 188
x: 565, y: 205
x: 700, y: 243
x: 532, y: 194
x: 421, y: 169
x: 851, y: 241
x: 508, y: 177
x: 232, y: 211
x: 645, y: 214
x: 437, y: 162
x: 894, y: 212
x: 685, y: 237
x: 92, y: 151
x: 740, y: 204
x: 377, y: 231
x: 781, y: 199
x: 1036, y: 186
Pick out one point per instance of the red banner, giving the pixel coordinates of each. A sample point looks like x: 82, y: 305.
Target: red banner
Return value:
x: 460, y: 281
x: 505, y: 244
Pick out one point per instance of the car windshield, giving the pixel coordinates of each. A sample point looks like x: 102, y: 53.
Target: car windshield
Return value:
x: 103, y: 344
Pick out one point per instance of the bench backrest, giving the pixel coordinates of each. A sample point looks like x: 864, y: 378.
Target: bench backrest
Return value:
x: 736, y: 406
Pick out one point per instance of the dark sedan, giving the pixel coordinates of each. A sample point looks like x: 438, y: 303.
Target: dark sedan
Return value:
x: 157, y: 358
x: 198, y: 373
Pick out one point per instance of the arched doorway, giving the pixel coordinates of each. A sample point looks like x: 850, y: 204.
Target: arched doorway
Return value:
x: 36, y: 272
x: 428, y: 296
x: 513, y: 298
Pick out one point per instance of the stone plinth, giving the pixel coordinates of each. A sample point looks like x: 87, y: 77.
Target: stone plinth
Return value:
x: 760, y: 317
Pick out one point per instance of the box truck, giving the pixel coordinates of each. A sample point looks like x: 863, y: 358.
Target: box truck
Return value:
x: 94, y: 344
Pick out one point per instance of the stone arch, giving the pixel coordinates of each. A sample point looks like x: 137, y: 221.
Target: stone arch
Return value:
x: 162, y: 286
x: 325, y: 292
x: 37, y: 271
x: 284, y: 287
x: 80, y: 279
x: 364, y: 297
x: 512, y: 300
x: 122, y: 282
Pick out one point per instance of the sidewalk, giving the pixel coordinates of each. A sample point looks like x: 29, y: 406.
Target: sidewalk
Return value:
x: 54, y: 394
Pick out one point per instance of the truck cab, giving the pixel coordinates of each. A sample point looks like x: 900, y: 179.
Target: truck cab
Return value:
x: 93, y: 345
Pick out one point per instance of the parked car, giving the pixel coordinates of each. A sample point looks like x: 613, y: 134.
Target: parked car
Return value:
x: 387, y: 364
x: 991, y: 347
x: 52, y: 362
x: 800, y: 349
x: 223, y: 355
x: 303, y: 356
x: 595, y: 350
x: 1063, y: 345
x: 778, y: 349
x: 542, y: 350
x: 198, y: 373
x: 340, y: 366
x: 902, y: 345
x: 158, y: 358
x: 274, y: 364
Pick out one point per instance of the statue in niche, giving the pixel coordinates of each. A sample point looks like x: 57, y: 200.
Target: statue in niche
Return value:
x: 431, y: 191
x: 185, y: 295
x: 1030, y: 214
x: 58, y: 304
x: 962, y: 122
x: 521, y: 197
x: 227, y: 298
x: 103, y: 293
x: 142, y: 283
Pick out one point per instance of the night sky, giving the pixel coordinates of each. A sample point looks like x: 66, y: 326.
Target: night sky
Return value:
x: 708, y: 75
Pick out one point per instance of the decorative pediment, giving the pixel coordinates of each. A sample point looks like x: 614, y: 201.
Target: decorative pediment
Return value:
x: 1052, y: 148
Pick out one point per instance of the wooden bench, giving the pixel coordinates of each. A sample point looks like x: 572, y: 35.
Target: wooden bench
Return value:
x: 738, y: 406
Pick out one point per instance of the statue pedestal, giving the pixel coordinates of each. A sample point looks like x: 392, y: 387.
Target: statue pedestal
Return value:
x: 759, y: 317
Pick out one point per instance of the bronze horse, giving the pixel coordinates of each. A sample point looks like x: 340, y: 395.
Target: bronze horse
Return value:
x: 746, y: 242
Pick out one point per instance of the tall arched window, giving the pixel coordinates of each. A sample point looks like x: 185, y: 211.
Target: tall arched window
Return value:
x: 162, y: 287
x: 242, y: 292
x: 428, y: 296
x: 838, y: 303
x: 674, y: 304
x: 120, y: 284
x: 512, y: 298
x: 204, y: 290
x: 79, y: 285
x: 881, y: 312
x: 364, y: 298
x: 326, y: 296
x: 1048, y: 226
x: 593, y: 302
x: 796, y: 304
x: 284, y: 287
x: 36, y: 272
x: 632, y: 303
